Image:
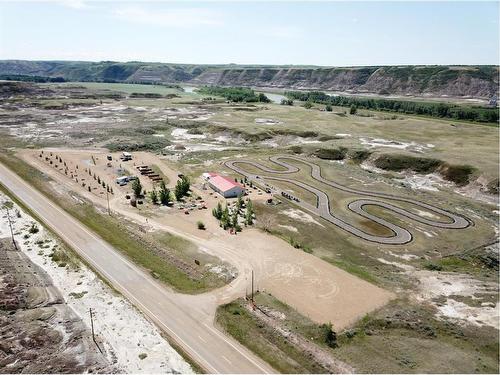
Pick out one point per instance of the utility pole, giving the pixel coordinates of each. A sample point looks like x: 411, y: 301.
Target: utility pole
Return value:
x: 252, y: 286
x: 107, y: 197
x: 11, y: 231
x: 92, y: 328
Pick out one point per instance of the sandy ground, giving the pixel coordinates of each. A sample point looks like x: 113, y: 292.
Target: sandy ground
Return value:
x: 442, y: 289
x: 315, y: 288
x: 124, y: 331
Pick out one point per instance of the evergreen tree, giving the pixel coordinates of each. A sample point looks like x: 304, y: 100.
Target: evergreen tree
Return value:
x: 234, y: 220
x: 164, y: 194
x: 224, y: 220
x: 249, y: 213
x: 137, y: 187
x: 217, y: 211
x: 153, y: 195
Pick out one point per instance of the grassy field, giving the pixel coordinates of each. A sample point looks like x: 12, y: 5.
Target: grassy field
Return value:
x: 123, y: 87
x: 237, y: 321
x: 403, y: 337
x: 453, y: 142
x: 146, y: 253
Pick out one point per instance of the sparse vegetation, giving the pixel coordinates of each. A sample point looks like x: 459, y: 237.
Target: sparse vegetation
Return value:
x: 459, y: 174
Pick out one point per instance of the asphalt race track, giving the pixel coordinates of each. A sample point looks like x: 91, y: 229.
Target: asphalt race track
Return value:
x: 400, y: 235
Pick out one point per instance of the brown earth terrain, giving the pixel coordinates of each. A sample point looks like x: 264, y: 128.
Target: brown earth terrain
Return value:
x: 39, y: 333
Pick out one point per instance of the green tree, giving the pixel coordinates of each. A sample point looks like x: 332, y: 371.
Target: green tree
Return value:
x: 308, y: 105
x: 153, y: 195
x: 234, y: 219
x: 164, y: 194
x: 329, y: 335
x: 328, y: 108
x: 263, y: 98
x: 137, y: 187
x: 225, y: 219
x: 239, y: 202
x: 182, y: 188
x: 217, y: 211
x: 249, y: 213
x: 353, y: 109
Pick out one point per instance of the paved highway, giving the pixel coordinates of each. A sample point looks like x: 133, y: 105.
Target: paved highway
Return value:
x: 322, y: 208
x: 184, y: 318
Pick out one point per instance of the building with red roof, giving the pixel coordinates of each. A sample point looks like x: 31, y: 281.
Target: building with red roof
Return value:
x: 225, y: 186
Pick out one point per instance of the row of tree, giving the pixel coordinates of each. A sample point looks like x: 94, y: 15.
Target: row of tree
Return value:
x: 162, y: 195
x: 441, y: 110
x: 235, y: 94
x: 230, y: 220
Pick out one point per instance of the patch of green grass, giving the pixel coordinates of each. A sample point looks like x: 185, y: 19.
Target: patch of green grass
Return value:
x: 111, y: 230
x: 63, y: 257
x: 406, y: 337
x: 158, y: 171
x: 355, y: 269
x: 128, y: 88
x: 237, y: 321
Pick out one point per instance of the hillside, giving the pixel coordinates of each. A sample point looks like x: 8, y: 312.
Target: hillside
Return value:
x: 453, y: 81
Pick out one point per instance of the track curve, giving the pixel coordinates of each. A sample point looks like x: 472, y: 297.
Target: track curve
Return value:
x: 400, y: 235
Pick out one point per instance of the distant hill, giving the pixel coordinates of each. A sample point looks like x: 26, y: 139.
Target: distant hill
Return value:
x: 479, y: 82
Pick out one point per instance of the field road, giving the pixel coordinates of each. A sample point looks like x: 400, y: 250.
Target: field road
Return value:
x: 183, y: 318
x: 322, y: 208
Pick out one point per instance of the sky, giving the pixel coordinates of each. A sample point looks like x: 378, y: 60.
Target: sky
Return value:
x: 329, y: 33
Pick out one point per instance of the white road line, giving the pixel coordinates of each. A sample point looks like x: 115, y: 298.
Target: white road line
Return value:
x: 201, y: 339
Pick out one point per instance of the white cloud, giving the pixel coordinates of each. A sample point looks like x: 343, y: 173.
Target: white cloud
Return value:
x: 181, y: 17
x: 75, y: 4
x: 283, y: 31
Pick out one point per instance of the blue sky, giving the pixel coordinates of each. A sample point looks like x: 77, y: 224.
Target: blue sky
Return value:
x: 279, y: 32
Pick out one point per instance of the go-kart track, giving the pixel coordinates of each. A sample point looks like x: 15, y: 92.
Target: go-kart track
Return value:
x: 400, y: 235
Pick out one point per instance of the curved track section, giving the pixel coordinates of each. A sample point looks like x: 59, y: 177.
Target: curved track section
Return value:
x: 400, y: 235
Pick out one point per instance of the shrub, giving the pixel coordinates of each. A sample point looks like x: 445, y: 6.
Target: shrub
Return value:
x: 493, y: 186
x: 360, y: 156
x: 459, y: 174
x: 331, y: 154
x: 200, y: 225
x: 398, y: 162
x: 433, y: 266
x: 34, y: 229
x: 329, y: 336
